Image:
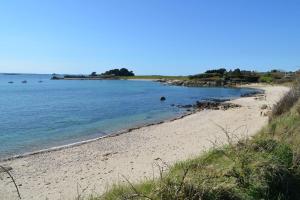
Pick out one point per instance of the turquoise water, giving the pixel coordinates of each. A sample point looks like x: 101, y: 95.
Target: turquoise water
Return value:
x: 39, y: 115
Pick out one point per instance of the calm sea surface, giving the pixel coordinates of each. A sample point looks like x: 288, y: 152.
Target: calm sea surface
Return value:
x: 43, y: 113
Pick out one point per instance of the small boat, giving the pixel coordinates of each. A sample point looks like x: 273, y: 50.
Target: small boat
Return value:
x: 24, y: 81
x: 10, y: 82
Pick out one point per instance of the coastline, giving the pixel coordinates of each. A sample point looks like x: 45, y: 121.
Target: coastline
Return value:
x: 117, y: 133
x: 99, y: 163
x: 122, y: 131
x: 113, y: 134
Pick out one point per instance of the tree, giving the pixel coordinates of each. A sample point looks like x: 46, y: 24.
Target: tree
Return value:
x: 220, y: 71
x: 93, y: 74
x: 119, y: 72
x: 237, y: 71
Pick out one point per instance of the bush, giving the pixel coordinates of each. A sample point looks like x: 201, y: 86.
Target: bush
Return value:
x: 119, y: 72
x: 220, y: 71
x: 265, y: 79
x: 93, y: 74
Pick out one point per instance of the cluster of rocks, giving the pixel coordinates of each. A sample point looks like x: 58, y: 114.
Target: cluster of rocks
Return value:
x: 216, y: 100
x: 215, y: 105
x: 192, y: 83
x: 184, y: 106
x: 209, y: 105
x: 206, y: 83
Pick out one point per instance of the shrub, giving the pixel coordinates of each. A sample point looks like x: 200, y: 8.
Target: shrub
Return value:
x: 265, y: 79
x: 119, y: 72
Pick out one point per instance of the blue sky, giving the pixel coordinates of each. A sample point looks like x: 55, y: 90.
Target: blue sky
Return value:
x: 148, y: 36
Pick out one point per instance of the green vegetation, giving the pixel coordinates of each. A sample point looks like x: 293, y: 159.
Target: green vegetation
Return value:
x: 236, y: 75
x: 111, y: 74
x: 118, y: 72
x: 213, y: 77
x: 264, y: 167
x: 266, y: 79
x: 276, y: 76
x: 243, y: 76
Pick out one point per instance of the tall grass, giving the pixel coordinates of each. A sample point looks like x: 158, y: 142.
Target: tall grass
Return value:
x: 288, y: 100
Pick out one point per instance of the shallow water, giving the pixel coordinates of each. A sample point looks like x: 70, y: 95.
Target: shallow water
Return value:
x: 38, y: 115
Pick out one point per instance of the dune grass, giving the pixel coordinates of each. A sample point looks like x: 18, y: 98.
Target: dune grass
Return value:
x: 288, y: 100
x: 264, y: 167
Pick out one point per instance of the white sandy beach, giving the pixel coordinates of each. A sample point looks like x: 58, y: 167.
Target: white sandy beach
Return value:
x: 91, y: 168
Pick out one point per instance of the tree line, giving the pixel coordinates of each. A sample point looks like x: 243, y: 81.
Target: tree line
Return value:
x: 115, y: 72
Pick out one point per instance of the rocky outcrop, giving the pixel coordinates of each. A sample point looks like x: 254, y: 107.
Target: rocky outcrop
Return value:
x: 185, y: 106
x: 84, y: 77
x: 215, y: 105
x: 192, y: 83
x: 162, y: 98
x: 209, y: 105
x: 56, y: 78
x: 216, y: 100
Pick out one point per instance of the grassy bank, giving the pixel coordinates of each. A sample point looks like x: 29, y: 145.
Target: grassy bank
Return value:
x: 264, y: 167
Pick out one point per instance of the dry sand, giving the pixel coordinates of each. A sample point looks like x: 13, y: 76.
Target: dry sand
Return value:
x: 91, y: 168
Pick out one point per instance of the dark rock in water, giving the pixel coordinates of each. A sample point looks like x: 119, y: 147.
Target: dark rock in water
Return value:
x: 161, y: 80
x: 216, y: 100
x: 185, y: 106
x: 56, y: 78
x: 162, y: 98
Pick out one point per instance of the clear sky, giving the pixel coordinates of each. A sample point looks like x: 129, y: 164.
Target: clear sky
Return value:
x: 148, y: 36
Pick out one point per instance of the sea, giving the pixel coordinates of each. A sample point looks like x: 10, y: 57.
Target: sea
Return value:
x: 37, y: 113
